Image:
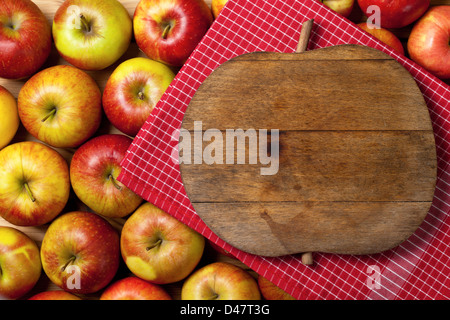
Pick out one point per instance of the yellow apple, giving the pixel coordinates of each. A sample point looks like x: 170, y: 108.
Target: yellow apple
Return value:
x: 220, y: 281
x: 20, y: 263
x: 9, y: 121
x: 344, y: 7
x: 35, y: 184
x: 217, y: 6
x: 159, y: 248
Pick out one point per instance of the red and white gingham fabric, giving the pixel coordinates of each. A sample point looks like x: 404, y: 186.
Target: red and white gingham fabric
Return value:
x: 417, y: 269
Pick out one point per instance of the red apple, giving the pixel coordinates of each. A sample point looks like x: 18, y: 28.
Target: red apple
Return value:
x: 25, y: 38
x: 271, y: 292
x: 217, y: 6
x: 60, y: 106
x: 343, y: 7
x: 92, y: 34
x: 133, y: 288
x: 220, y: 281
x: 54, y: 295
x: 385, y: 36
x: 157, y: 247
x: 35, y: 184
x: 428, y: 43
x: 80, y: 252
x: 93, y: 173
x: 396, y: 13
x: 169, y: 30
x: 133, y: 90
x: 20, y: 264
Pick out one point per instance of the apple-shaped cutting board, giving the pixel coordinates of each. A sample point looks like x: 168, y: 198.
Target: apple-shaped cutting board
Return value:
x: 356, y: 152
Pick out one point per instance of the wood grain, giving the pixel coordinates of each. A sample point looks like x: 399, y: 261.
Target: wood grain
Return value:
x: 357, y: 159
x: 324, y: 166
x: 329, y: 102
x: 318, y: 226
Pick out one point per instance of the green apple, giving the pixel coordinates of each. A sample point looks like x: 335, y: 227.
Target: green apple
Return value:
x: 20, y: 263
x: 92, y: 34
x: 34, y: 183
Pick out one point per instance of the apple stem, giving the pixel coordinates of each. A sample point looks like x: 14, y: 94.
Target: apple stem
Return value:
x: 30, y: 194
x: 156, y: 244
x: 307, y: 258
x: 141, y: 95
x: 72, y: 259
x: 84, y: 23
x: 166, y: 31
x: 305, y: 34
x: 114, y: 182
x: 51, y: 113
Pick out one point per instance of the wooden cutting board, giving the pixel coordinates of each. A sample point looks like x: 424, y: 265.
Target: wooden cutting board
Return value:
x: 355, y: 168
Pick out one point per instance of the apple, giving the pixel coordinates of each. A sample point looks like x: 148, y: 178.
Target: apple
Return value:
x: 133, y: 90
x: 20, y: 264
x: 396, y: 13
x: 134, y: 288
x: 25, y: 38
x: 169, y: 30
x: 80, y: 252
x: 92, y: 34
x: 94, y: 169
x: 9, y: 122
x: 270, y: 291
x: 384, y: 36
x: 220, y: 281
x: 54, y: 295
x: 343, y: 7
x: 60, y: 106
x: 428, y: 43
x: 159, y: 248
x: 35, y: 184
x: 217, y: 6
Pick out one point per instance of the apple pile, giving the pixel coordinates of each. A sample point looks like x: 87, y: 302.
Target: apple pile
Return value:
x: 427, y: 28
x: 61, y: 107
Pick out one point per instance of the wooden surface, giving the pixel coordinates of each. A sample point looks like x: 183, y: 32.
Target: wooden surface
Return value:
x: 357, y: 159
x: 49, y: 7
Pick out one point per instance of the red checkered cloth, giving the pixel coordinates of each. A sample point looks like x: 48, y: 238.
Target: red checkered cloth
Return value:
x: 419, y: 268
